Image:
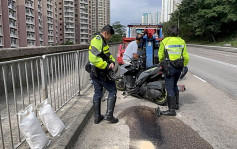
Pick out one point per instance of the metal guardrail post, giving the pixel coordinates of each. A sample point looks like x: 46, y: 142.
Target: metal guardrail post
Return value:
x: 1, y: 130
x: 78, y: 71
x: 43, y: 66
x: 7, y: 103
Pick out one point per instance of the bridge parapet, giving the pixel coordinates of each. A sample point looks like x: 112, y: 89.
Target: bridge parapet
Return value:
x: 30, y: 75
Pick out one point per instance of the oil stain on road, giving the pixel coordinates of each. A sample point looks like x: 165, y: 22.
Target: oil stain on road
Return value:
x: 147, y: 131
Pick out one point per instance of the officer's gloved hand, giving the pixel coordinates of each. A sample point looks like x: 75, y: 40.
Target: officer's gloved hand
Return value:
x: 111, y: 66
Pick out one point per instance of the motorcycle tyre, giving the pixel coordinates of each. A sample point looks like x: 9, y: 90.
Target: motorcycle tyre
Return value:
x: 120, y: 84
x: 163, y: 100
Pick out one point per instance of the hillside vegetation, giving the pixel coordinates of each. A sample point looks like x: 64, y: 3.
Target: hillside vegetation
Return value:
x: 206, y: 21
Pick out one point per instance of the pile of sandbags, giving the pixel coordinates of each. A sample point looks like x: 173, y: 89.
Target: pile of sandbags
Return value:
x: 31, y: 128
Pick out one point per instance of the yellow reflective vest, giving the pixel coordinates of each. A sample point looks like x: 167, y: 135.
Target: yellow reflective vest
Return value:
x: 99, y: 54
x: 174, y: 46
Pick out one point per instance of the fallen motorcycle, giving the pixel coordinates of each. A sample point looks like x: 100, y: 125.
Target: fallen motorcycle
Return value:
x: 148, y: 83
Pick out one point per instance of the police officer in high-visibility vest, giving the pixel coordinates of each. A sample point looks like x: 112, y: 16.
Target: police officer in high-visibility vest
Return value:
x: 102, y: 61
x: 173, y: 56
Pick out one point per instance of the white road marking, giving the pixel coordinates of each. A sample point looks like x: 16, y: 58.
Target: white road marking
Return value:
x: 220, y: 62
x: 230, y: 55
x: 199, y: 78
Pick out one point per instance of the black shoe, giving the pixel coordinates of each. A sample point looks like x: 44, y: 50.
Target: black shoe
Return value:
x: 170, y: 112
x: 98, y: 119
x: 110, y: 110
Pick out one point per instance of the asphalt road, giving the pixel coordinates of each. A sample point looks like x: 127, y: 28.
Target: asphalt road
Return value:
x: 206, y: 119
x: 216, y: 67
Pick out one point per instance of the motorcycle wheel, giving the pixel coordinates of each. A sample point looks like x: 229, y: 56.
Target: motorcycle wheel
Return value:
x: 163, y: 100
x: 120, y: 84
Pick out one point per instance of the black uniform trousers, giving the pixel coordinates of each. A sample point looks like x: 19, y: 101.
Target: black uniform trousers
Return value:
x: 99, y: 83
x: 171, y: 81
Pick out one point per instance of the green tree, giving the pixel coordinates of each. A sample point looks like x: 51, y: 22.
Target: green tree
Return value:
x: 206, y: 19
x: 119, y: 28
x: 119, y: 32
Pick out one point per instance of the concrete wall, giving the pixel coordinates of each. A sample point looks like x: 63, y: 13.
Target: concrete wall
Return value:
x: 16, y: 53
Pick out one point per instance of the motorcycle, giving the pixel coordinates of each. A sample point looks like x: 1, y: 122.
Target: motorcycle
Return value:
x: 142, y: 83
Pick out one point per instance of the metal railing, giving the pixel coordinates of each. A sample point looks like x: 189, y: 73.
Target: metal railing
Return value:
x: 58, y: 77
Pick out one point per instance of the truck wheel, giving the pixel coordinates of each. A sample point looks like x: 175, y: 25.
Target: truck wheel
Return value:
x: 120, y: 85
x: 163, y: 100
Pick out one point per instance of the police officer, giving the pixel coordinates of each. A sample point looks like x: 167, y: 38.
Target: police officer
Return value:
x: 174, y: 50
x: 102, y: 61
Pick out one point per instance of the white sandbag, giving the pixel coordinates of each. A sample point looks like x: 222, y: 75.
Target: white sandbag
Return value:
x: 31, y: 129
x: 50, y: 119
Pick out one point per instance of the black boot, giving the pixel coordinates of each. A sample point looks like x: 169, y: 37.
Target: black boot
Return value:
x: 177, y: 100
x: 171, y: 106
x: 97, y: 117
x: 110, y: 110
